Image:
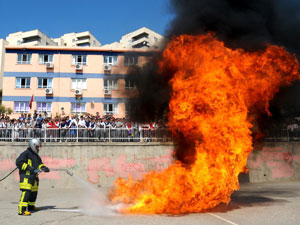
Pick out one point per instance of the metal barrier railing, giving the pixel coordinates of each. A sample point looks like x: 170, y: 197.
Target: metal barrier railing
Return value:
x: 85, y: 135
x: 282, y: 135
x: 117, y: 135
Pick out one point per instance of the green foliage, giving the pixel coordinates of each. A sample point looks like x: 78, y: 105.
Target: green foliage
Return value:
x: 3, y: 109
x: 9, y: 111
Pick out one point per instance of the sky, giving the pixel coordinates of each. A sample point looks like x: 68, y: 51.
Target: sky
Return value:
x: 107, y: 20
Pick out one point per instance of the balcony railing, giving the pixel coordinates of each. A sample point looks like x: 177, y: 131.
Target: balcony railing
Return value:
x: 85, y: 135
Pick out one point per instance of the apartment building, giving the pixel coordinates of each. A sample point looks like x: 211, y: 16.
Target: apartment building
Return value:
x: 29, y: 38
x: 3, y: 43
x: 142, y: 38
x: 82, y: 39
x: 69, y: 80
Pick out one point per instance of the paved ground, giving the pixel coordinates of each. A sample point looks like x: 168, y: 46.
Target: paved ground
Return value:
x: 253, y: 204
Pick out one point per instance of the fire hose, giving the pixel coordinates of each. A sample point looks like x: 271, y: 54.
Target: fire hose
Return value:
x: 8, y: 174
x: 37, y: 171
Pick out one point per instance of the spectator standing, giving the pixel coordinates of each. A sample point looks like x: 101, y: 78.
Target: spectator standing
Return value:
x: 81, y: 127
x: 63, y: 129
x: 37, y: 128
x: 8, y: 129
x: 2, y: 128
x: 91, y: 129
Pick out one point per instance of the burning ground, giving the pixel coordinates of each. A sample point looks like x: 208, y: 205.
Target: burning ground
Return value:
x: 216, y: 91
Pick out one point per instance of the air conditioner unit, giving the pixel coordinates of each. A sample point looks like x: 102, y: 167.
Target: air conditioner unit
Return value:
x: 49, y: 65
x: 78, y: 91
x: 49, y: 91
x: 78, y: 66
x: 107, y: 92
x: 107, y: 68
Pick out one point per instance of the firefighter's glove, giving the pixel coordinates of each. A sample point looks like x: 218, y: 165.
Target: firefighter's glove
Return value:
x: 31, y: 169
x: 45, y: 169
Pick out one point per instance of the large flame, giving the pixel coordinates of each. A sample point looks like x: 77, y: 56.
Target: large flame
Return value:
x: 213, y: 90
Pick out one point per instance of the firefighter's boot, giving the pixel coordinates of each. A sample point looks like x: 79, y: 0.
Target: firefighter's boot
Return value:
x: 26, y: 213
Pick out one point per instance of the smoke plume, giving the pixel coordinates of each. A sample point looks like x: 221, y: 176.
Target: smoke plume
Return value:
x: 246, y: 24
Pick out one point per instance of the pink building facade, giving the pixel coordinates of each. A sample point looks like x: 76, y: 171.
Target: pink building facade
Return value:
x: 67, y: 81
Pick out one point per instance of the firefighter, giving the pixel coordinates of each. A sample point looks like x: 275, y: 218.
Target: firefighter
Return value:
x: 30, y: 164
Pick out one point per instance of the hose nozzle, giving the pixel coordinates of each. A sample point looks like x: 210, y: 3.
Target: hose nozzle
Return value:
x: 69, y: 172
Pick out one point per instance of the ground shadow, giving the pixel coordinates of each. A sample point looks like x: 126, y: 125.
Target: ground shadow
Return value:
x: 53, y: 208
x: 242, y: 199
x: 43, y: 208
x: 47, y: 207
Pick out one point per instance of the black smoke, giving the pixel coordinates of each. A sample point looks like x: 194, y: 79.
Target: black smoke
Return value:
x: 153, y: 92
x: 247, y: 24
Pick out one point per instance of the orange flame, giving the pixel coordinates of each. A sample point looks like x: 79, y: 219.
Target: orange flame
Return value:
x: 213, y: 90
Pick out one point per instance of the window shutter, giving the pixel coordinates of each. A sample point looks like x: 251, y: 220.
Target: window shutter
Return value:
x: 29, y: 58
x: 27, y: 82
x: 41, y: 59
x: 19, y: 58
x: 50, y: 83
x: 49, y: 104
x: 115, y: 60
x: 18, y: 82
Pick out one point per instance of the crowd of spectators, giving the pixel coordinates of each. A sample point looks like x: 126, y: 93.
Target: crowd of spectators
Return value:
x: 283, y: 129
x: 85, y: 127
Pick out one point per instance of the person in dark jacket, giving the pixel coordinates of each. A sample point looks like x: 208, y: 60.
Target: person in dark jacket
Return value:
x: 30, y: 164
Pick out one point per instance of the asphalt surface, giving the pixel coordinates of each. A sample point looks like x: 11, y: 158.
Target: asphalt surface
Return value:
x: 253, y: 204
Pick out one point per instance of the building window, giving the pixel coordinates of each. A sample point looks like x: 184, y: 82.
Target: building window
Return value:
x: 23, y: 82
x: 21, y: 107
x: 110, y: 60
x: 77, y: 107
x: 44, y: 82
x: 43, y: 59
x: 127, y: 108
x: 131, y: 60
x: 129, y: 84
x: 110, y: 84
x: 24, y: 59
x: 43, y: 107
x: 110, y: 108
x: 79, y: 59
x: 78, y: 84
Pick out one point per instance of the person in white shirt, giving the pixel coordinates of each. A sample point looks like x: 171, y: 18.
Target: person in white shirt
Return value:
x: 2, y: 128
x: 81, y: 127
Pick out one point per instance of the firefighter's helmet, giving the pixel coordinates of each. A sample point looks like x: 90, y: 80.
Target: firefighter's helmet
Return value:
x: 35, y: 145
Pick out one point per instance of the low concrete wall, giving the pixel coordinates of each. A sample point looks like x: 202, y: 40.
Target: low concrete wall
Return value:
x: 275, y: 161
x: 99, y: 163
x: 102, y: 163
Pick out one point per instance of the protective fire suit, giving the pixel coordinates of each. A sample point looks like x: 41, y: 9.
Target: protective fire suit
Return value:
x: 27, y: 163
